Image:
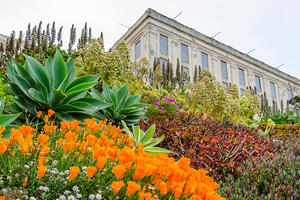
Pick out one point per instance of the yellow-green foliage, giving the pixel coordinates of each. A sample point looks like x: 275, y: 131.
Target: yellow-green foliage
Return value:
x: 4, y: 92
x: 218, y: 102
x: 114, y: 67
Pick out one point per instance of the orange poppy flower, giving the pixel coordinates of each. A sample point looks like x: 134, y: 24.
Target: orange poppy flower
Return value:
x: 46, y: 118
x: 2, y: 198
x: 116, y: 186
x: 25, y: 182
x: 50, y: 112
x: 101, y: 160
x: 73, y: 172
x: 45, y: 150
x: 91, y: 171
x: 26, y: 130
x: 41, y: 170
x: 42, y: 160
x: 39, y: 114
x: 2, y: 129
x: 91, y: 140
x: 163, y: 188
x: 42, y: 138
x: 3, y: 147
x: 132, y: 188
x: 119, y: 171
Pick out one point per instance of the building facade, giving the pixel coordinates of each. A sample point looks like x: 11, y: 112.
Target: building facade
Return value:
x: 3, y: 39
x: 157, y: 36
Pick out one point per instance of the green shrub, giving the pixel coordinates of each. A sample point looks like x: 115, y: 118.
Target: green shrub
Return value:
x: 124, y: 106
x: 266, y: 178
x: 55, y: 86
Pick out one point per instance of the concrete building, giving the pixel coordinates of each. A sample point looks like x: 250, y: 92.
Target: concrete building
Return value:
x: 3, y: 38
x: 155, y: 35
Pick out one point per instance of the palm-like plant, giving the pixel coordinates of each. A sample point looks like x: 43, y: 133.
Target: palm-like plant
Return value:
x: 55, y: 86
x: 124, y: 106
x: 146, y: 138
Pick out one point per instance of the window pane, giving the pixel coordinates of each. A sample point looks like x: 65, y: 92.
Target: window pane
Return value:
x: 225, y: 84
x: 257, y: 83
x: 224, y: 70
x: 138, y: 49
x: 204, y: 59
x: 290, y: 94
x: 273, y: 92
x: 242, y: 77
x: 163, y: 44
x: 184, y: 53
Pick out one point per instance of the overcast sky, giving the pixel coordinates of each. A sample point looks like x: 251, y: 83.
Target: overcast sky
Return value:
x: 272, y: 27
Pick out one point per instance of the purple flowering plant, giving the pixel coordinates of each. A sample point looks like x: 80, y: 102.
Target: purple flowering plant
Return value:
x: 164, y: 106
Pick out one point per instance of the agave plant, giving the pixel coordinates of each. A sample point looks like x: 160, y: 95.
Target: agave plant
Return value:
x: 6, y: 120
x: 146, y: 138
x: 55, y: 86
x: 124, y: 106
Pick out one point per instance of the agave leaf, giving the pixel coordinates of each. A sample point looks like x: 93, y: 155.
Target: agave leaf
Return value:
x: 71, y: 68
x: 132, y: 100
x: 59, y: 69
x: 107, y: 95
x: 38, y: 72
x: 36, y: 95
x: 83, y: 79
x: 8, y: 119
x: 122, y: 94
x: 95, y: 102
x: 95, y: 93
x: 25, y: 74
x: 67, y: 80
x: 49, y: 70
x: 149, y: 134
x: 56, y: 96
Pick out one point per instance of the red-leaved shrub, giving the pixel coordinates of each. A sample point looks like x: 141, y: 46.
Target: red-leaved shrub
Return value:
x: 220, y: 148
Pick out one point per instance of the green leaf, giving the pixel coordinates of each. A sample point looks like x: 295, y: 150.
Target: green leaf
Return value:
x: 49, y: 70
x: 38, y: 72
x: 107, y: 94
x: 6, y: 133
x: 156, y: 150
x: 2, y: 104
x: 8, y: 119
x: 155, y: 141
x: 59, y: 69
x: 127, y: 130
x: 149, y: 134
x: 122, y: 93
x: 36, y: 95
x: 138, y: 134
x: 96, y: 103
x: 56, y: 97
x: 81, y: 87
x: 83, y: 79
